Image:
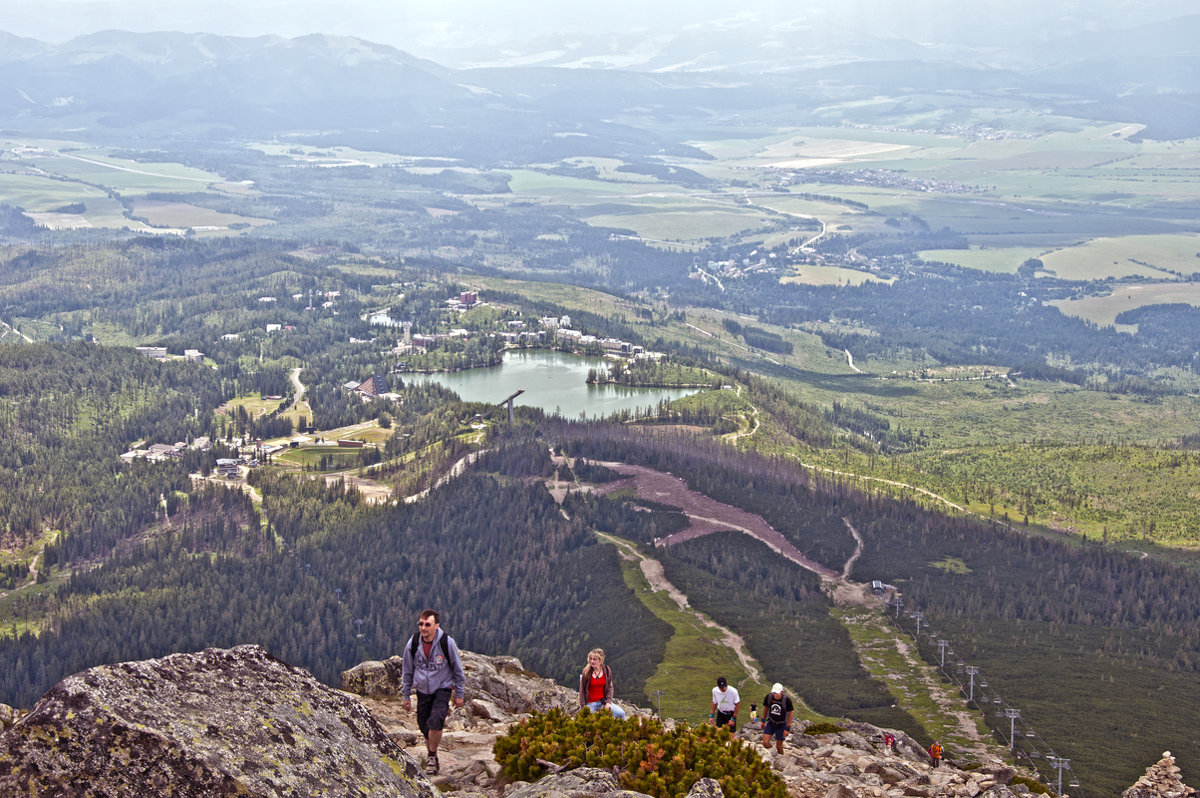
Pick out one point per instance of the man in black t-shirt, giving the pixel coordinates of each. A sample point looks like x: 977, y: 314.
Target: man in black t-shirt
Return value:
x: 777, y: 717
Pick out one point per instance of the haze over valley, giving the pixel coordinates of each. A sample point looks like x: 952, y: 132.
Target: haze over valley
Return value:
x: 925, y: 283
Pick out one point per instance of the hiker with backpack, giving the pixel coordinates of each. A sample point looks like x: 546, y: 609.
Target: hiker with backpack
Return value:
x: 777, y: 717
x: 432, y: 665
x: 935, y: 753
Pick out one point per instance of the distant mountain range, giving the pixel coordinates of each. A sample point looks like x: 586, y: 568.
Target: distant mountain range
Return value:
x: 606, y: 93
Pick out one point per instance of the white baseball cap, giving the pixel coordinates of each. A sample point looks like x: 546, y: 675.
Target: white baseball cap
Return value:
x: 777, y: 688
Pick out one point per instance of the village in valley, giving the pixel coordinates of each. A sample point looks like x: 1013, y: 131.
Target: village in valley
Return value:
x: 410, y: 353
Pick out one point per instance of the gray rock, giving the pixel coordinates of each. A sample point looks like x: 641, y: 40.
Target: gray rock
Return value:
x: 220, y: 722
x: 706, y: 788
x: 854, y: 741
x: 1002, y: 774
x: 8, y: 716
x: 840, y: 791
x: 503, y: 686
x: 577, y: 783
x: 373, y: 678
x: 888, y: 774
x: 1002, y: 791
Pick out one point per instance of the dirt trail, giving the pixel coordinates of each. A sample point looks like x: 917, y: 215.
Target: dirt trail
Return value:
x: 708, y: 516
x: 967, y: 720
x: 653, y: 571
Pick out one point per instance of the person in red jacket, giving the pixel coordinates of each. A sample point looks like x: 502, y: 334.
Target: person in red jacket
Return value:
x: 596, y: 685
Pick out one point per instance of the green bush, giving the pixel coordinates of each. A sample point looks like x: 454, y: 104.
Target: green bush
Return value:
x: 1035, y: 787
x: 824, y: 728
x: 649, y: 758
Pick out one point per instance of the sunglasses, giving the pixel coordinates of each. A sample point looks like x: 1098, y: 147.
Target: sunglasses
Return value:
x: 424, y: 623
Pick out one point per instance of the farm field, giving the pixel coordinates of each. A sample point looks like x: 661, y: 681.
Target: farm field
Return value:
x: 528, y: 184
x: 1141, y: 256
x: 97, y: 166
x: 329, y: 157
x: 830, y: 275
x: 683, y: 225
x: 162, y: 213
x: 1103, y: 310
x: 988, y: 259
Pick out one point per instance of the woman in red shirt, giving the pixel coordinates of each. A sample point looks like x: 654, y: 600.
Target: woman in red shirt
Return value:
x: 596, y: 685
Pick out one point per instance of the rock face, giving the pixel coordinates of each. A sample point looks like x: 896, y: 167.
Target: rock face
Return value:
x: 1163, y: 779
x: 221, y: 722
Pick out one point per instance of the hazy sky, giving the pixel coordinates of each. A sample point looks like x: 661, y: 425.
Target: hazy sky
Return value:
x: 437, y: 28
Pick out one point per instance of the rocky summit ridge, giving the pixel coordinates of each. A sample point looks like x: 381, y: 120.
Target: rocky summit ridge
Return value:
x: 240, y: 722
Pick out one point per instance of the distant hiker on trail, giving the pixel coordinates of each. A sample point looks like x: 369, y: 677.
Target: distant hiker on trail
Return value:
x: 432, y: 665
x: 596, y: 685
x: 889, y: 742
x: 725, y: 703
x: 753, y: 714
x: 777, y: 717
x: 935, y: 753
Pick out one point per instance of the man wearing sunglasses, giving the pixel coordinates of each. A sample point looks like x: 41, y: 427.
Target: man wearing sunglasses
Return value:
x: 432, y: 665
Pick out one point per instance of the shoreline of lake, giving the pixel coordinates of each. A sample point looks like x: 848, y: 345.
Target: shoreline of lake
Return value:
x: 554, y: 382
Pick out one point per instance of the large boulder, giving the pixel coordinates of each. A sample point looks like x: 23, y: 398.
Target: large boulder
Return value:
x: 8, y: 716
x: 220, y: 722
x: 497, y: 687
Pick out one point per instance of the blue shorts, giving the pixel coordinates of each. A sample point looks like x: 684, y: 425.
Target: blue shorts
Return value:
x: 776, y: 730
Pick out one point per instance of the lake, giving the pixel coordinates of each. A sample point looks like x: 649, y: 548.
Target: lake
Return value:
x: 555, y: 382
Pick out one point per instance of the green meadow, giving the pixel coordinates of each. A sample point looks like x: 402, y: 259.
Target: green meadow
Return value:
x: 1103, y: 310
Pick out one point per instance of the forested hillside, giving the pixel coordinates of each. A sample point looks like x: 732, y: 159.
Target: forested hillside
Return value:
x: 331, y: 581
x: 1113, y: 635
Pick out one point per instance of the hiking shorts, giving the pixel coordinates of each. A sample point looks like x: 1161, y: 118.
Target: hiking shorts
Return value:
x: 432, y: 709
x: 723, y: 719
x: 776, y: 730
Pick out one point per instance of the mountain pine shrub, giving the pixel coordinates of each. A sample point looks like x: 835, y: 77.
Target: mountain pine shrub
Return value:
x: 1035, y: 787
x: 824, y: 728
x: 648, y: 757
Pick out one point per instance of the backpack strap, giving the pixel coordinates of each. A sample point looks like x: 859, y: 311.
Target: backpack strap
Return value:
x: 445, y: 642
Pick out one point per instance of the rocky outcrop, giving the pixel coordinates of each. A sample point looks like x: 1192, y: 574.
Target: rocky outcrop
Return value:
x: 595, y: 783
x: 239, y: 722
x: 498, y: 688
x: 221, y: 722
x: 8, y: 716
x: 1163, y: 779
x: 850, y: 763
x: 853, y: 763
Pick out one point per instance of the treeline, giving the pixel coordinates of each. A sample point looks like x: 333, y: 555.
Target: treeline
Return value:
x: 656, y: 373
x: 668, y: 173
